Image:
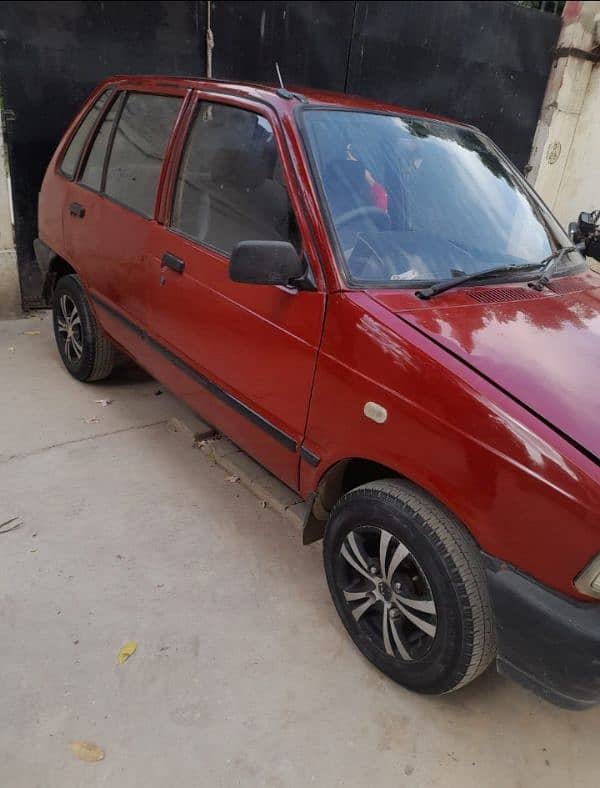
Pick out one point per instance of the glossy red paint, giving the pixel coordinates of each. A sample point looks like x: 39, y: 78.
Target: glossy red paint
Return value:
x: 528, y: 496
x: 487, y: 403
x: 539, y: 346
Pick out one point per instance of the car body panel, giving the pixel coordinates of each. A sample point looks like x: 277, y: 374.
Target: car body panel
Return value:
x: 542, y: 347
x: 258, y: 344
x: 111, y: 264
x: 518, y: 486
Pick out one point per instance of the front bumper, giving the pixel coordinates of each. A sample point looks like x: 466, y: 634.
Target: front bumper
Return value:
x: 546, y: 641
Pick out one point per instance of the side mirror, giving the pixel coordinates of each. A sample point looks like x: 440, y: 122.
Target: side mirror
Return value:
x: 585, y: 232
x: 592, y: 247
x: 266, y: 263
x: 584, y: 227
x: 587, y: 223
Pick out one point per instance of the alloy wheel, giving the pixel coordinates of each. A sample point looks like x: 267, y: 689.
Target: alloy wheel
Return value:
x: 69, y: 329
x: 387, y: 592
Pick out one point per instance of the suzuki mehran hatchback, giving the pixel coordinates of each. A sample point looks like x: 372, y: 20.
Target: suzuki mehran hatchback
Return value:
x: 375, y: 305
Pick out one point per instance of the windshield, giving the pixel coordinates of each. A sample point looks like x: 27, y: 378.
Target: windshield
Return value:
x: 414, y: 200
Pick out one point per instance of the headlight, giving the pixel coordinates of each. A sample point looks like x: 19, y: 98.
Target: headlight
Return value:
x: 588, y: 580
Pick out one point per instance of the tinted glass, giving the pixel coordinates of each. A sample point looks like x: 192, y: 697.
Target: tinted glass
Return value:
x: 92, y: 171
x: 138, y: 149
x: 230, y: 186
x: 71, y: 157
x: 414, y: 199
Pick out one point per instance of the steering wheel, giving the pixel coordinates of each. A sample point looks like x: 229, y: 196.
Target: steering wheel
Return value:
x: 366, y: 263
x: 362, y: 211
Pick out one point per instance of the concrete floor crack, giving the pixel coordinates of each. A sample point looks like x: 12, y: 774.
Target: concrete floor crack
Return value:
x: 12, y: 457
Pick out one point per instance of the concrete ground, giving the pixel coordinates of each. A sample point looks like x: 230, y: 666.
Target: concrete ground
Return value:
x: 243, y: 675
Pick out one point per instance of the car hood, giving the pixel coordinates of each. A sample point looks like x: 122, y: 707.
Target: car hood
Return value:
x: 541, y: 348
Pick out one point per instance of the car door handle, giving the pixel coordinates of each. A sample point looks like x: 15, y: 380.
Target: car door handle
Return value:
x: 75, y: 209
x: 176, y: 263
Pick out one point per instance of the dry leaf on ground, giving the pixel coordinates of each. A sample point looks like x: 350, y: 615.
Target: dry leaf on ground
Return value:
x: 31, y: 333
x: 127, y: 650
x: 233, y: 479
x: 86, y: 751
x: 103, y: 402
x: 92, y: 420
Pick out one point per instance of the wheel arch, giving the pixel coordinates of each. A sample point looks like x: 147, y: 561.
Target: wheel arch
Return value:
x: 52, y: 266
x: 341, y: 477
x: 58, y: 268
x: 347, y: 474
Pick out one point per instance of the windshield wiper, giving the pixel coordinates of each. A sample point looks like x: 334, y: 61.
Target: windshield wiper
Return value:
x: 550, y: 264
x: 448, y: 284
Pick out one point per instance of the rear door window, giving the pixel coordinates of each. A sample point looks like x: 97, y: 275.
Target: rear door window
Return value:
x: 230, y: 185
x: 138, y: 149
x: 73, y: 152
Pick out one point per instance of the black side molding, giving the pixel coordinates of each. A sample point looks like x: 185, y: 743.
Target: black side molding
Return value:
x: 310, y: 457
x: 279, y: 435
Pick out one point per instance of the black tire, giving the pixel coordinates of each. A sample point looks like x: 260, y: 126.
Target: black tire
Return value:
x: 450, y: 638
x: 86, y: 351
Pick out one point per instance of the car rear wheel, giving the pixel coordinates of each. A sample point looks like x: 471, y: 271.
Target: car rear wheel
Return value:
x: 409, y: 585
x: 86, y: 351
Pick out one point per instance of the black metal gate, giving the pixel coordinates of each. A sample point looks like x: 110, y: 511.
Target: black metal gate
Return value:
x: 483, y: 62
x: 52, y: 54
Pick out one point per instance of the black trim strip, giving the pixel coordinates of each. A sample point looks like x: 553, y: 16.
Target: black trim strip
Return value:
x: 280, y: 436
x: 310, y: 457
x: 119, y: 103
x: 84, y: 153
x: 125, y: 320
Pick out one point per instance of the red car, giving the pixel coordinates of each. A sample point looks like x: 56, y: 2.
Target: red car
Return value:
x: 375, y: 305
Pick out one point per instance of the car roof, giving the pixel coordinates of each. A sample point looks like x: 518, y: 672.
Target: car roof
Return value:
x: 272, y: 94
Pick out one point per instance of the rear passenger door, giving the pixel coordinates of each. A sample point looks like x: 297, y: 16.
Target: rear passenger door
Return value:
x: 110, y: 206
x: 245, y: 354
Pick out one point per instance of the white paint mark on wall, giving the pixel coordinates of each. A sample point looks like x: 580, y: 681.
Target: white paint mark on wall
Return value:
x: 565, y: 157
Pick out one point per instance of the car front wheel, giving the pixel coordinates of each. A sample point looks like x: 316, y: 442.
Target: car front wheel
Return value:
x: 409, y: 585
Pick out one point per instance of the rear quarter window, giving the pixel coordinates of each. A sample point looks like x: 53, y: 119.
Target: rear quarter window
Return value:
x: 73, y: 152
